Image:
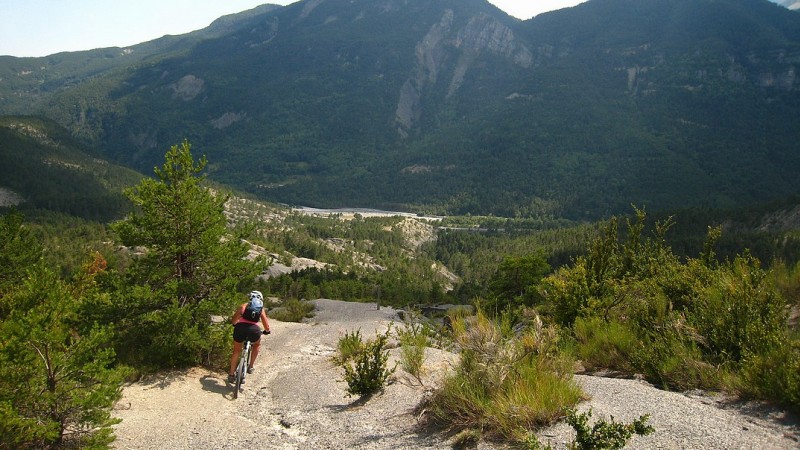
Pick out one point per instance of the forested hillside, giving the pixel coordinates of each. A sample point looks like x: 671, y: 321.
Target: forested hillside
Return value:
x: 454, y: 107
x: 49, y: 170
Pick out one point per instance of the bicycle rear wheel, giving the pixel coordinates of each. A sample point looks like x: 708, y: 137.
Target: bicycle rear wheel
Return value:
x: 241, y: 369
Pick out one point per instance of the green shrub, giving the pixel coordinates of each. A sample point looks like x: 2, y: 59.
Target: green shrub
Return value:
x: 604, y: 435
x: 367, y: 373
x: 348, y: 346
x: 740, y: 314
x: 504, y: 385
x: 413, y: 342
x: 774, y: 376
x: 787, y: 281
x: 293, y: 310
x: 604, y: 345
x: 634, y: 306
x: 668, y: 359
x: 531, y: 442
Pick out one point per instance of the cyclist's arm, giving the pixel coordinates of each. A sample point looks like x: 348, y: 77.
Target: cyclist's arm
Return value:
x: 237, y: 315
x: 264, y: 320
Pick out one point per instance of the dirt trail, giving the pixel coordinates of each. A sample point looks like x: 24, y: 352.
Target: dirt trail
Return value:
x: 296, y: 400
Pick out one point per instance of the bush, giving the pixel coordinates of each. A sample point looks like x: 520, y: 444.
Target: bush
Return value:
x: 604, y: 345
x: 775, y: 375
x: 413, y: 342
x: 367, y: 373
x: 504, y: 385
x: 604, y: 435
x: 348, y: 347
x: 740, y: 314
x: 293, y: 310
x: 669, y: 360
x: 787, y: 281
x: 634, y: 306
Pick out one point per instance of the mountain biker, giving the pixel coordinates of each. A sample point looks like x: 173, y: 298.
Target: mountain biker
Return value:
x: 245, y: 326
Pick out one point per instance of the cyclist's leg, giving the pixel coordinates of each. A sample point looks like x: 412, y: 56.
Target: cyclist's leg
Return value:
x: 256, y: 346
x: 255, y: 337
x: 239, y: 335
x: 237, y: 350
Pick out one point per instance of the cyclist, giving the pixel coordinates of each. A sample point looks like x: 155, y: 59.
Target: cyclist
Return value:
x: 245, y: 326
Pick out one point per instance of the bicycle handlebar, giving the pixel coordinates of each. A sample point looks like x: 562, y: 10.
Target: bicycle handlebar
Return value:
x: 265, y: 332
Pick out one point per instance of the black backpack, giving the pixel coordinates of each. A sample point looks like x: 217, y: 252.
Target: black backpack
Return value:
x: 252, y: 312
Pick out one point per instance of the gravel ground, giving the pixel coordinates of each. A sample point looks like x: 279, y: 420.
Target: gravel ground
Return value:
x: 681, y: 420
x: 296, y: 399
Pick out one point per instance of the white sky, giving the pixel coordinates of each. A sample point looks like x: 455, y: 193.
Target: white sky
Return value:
x: 44, y: 27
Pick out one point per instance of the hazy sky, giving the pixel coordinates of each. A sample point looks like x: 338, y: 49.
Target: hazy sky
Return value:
x: 44, y: 27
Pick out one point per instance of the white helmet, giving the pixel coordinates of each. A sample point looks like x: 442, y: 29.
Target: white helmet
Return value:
x: 256, y: 295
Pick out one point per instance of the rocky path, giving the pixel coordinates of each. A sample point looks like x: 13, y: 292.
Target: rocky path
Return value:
x: 296, y: 400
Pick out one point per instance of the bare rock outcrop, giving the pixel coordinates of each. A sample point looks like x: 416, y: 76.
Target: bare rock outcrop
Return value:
x: 482, y: 33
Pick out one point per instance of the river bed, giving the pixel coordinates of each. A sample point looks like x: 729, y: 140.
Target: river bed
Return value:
x: 349, y: 213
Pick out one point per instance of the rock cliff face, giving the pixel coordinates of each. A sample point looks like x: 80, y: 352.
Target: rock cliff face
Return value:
x: 481, y: 34
x: 187, y: 88
x: 791, y: 4
x: 430, y: 55
x: 486, y: 34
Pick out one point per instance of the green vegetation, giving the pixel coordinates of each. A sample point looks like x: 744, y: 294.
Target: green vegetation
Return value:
x: 413, y: 337
x: 366, y: 260
x: 348, y: 347
x: 192, y: 269
x: 604, y: 435
x: 635, y: 306
x: 82, y: 303
x: 69, y: 331
x: 51, y: 171
x: 627, y: 303
x: 366, y: 370
x: 514, y: 284
x: 504, y: 385
x: 19, y: 250
x: 647, y: 105
x: 58, y: 376
x: 292, y: 310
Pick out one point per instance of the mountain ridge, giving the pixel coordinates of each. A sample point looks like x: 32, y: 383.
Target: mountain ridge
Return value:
x: 457, y: 107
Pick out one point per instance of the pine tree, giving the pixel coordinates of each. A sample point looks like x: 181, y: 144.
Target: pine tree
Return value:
x: 192, y: 265
x: 58, y: 378
x: 19, y: 250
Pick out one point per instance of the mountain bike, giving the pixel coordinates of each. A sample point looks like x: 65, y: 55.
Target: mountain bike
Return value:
x: 244, y: 363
